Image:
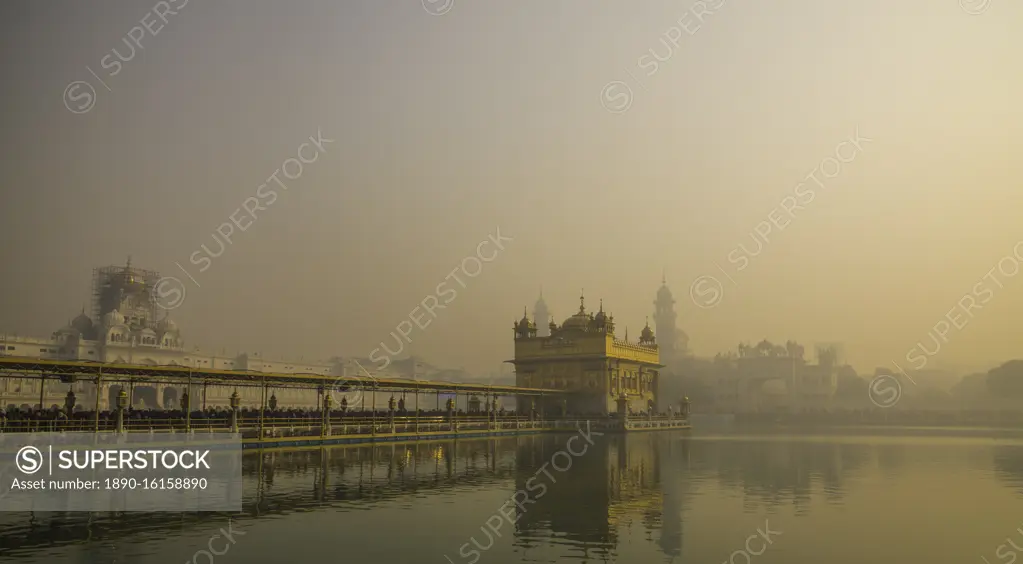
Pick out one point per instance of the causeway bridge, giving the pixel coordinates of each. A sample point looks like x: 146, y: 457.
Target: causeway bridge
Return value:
x: 265, y: 425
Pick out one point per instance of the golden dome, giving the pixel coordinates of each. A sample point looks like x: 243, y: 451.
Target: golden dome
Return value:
x: 580, y: 320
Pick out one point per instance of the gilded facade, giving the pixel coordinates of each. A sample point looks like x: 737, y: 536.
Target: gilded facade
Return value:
x: 583, y: 355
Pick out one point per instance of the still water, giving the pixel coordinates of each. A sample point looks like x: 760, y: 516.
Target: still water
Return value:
x: 852, y: 496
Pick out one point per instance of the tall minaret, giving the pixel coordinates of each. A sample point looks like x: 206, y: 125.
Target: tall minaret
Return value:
x: 664, y: 320
x: 542, y: 317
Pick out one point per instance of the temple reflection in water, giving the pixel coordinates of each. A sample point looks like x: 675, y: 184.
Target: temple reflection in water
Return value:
x: 628, y: 497
x: 640, y: 483
x: 615, y: 485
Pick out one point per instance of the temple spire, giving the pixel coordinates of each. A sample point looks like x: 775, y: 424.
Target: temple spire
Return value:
x: 540, y: 315
x: 582, y: 301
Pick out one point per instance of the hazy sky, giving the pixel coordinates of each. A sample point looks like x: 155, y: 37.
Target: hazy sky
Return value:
x: 491, y: 115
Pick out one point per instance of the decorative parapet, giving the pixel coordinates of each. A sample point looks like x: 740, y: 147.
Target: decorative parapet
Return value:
x: 632, y: 351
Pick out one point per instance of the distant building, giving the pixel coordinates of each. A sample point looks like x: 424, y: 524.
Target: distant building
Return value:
x: 768, y: 376
x: 674, y: 343
x: 664, y: 320
x: 542, y: 316
x: 127, y: 326
x: 832, y: 352
x: 584, y: 355
x: 413, y: 368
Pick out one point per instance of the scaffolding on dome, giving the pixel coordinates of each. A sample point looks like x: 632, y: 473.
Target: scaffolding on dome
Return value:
x: 112, y: 285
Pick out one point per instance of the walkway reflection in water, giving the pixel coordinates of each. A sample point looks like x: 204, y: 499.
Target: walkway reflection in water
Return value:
x: 656, y: 497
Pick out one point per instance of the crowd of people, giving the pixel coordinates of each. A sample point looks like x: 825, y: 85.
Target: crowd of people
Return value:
x: 22, y: 419
x: 36, y: 420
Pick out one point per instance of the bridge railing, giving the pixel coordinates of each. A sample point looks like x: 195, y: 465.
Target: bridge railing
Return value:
x: 294, y: 425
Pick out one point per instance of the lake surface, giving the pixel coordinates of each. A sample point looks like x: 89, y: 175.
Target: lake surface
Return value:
x: 710, y: 496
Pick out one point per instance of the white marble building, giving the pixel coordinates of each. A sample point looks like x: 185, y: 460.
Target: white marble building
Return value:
x: 129, y: 327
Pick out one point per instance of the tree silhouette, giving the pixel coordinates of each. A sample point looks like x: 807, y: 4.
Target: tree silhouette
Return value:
x: 1006, y: 380
x: 972, y: 386
x: 849, y: 385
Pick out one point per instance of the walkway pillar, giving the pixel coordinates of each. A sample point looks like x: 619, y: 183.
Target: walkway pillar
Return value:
x: 98, y: 379
x: 122, y: 402
x: 186, y: 404
x: 236, y: 402
x: 390, y: 413
x: 262, y: 408
x: 69, y: 403
x: 328, y: 403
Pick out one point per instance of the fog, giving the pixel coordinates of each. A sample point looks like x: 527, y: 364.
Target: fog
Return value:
x: 814, y: 171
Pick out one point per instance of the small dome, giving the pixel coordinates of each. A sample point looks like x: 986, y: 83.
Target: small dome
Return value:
x: 601, y: 318
x: 524, y: 325
x: 647, y: 336
x: 113, y: 318
x: 82, y: 323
